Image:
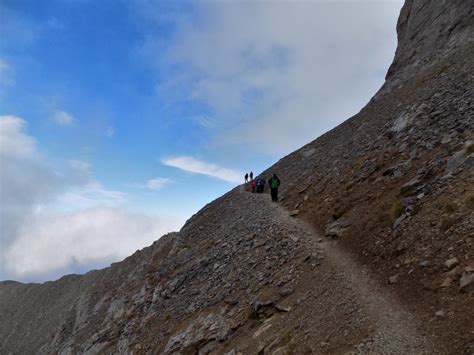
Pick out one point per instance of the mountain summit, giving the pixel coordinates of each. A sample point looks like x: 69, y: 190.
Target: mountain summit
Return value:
x: 369, y: 251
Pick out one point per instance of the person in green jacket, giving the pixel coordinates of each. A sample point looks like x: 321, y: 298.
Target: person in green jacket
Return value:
x: 274, y: 183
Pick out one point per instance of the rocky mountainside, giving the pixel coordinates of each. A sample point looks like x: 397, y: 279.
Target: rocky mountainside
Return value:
x: 370, y: 250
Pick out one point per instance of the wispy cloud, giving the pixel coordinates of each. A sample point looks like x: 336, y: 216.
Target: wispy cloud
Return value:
x: 63, y: 118
x: 157, y: 183
x: 110, y: 131
x: 196, y: 166
x: 6, y: 73
x: 204, y: 121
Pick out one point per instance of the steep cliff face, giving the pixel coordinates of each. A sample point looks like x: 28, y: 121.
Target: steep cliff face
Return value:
x: 429, y: 29
x: 392, y: 190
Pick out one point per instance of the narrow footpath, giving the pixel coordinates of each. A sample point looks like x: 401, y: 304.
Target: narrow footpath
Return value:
x: 344, y: 296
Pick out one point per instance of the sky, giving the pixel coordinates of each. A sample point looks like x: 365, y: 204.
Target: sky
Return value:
x: 119, y: 119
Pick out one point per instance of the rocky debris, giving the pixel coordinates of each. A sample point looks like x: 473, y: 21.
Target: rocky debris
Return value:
x: 367, y: 169
x: 398, y: 170
x: 200, y: 336
x: 284, y: 350
x: 467, y: 281
x: 447, y: 282
x: 294, y: 213
x: 450, y: 263
x: 337, y: 228
x: 412, y: 143
x: 393, y: 279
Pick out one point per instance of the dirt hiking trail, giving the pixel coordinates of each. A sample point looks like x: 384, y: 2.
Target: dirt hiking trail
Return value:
x: 392, y: 329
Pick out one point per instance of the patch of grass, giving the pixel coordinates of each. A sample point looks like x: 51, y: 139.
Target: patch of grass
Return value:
x: 289, y: 341
x: 470, y: 149
x: 396, y: 210
x: 450, y: 208
x: 447, y: 222
x: 469, y: 200
x: 287, y: 337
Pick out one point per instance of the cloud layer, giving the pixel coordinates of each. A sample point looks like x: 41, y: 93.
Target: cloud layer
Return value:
x: 277, y: 74
x: 60, y: 220
x: 196, y: 166
x: 99, y: 235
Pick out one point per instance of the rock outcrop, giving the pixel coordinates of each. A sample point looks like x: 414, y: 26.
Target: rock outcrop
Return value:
x: 393, y: 188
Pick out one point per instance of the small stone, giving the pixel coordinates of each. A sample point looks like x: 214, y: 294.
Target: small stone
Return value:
x: 446, y: 282
x: 469, y: 268
x: 456, y: 271
x: 440, y: 314
x: 393, y: 279
x: 262, y: 329
x: 286, y: 291
x: 450, y: 263
x: 466, y: 280
x: 284, y: 350
x: 424, y: 263
x: 294, y: 213
x: 283, y: 308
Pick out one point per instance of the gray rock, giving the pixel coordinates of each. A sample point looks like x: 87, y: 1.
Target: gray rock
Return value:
x: 467, y: 280
x: 337, y: 228
x: 450, y: 263
x: 205, y: 329
x: 399, y: 220
x: 412, y: 186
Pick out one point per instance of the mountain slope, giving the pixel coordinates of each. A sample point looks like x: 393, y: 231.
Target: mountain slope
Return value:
x: 392, y: 188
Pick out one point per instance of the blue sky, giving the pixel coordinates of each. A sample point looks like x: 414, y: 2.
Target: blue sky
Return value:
x: 120, y: 119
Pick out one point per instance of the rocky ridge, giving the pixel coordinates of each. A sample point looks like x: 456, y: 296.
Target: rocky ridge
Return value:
x: 392, y: 190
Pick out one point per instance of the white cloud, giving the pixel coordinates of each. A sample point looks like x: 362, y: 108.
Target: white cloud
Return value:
x: 63, y: 118
x: 100, y: 235
x: 157, y: 183
x: 57, y: 220
x: 278, y: 74
x: 13, y: 142
x: 82, y: 166
x: 86, y: 196
x: 193, y: 165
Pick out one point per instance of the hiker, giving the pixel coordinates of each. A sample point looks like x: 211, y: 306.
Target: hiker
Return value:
x: 260, y: 185
x: 246, y: 177
x: 254, y: 184
x: 274, y: 183
x: 251, y: 175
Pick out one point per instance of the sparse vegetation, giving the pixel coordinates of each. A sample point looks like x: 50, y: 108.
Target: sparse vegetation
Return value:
x: 450, y: 207
x: 469, y: 200
x: 289, y: 341
x: 470, y: 149
x: 447, y: 222
x: 396, y: 210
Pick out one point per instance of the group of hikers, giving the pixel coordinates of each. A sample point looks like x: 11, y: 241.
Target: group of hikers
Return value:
x: 258, y: 184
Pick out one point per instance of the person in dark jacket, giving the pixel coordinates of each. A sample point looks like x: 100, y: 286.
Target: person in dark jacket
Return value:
x: 246, y: 177
x: 260, y: 185
x: 274, y: 183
